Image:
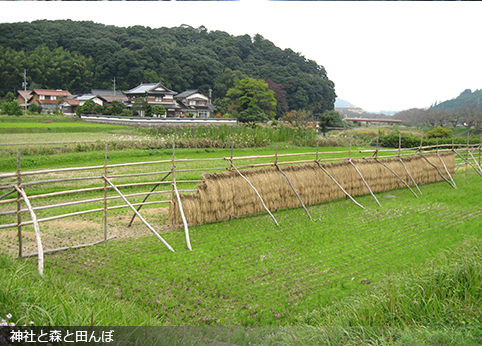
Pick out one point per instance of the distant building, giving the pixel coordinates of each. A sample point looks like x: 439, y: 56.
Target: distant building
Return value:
x: 177, y: 105
x: 48, y: 99
x: 196, y: 103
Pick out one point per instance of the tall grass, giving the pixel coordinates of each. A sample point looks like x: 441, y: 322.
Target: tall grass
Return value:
x: 441, y: 300
x: 51, y: 301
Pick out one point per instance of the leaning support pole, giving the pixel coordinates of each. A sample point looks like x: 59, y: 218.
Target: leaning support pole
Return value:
x: 476, y: 163
x: 406, y: 170
x: 403, y: 181
x: 37, y: 230
x: 176, y: 192
x: 438, y: 170
x: 446, y: 170
x: 259, y: 196
x: 366, y: 184
x: 341, y: 187
x: 463, y: 158
x: 138, y: 215
x: 186, y: 229
x: 294, y: 190
x: 145, y: 199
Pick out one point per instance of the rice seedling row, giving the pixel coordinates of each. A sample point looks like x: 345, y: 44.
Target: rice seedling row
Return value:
x: 252, y: 272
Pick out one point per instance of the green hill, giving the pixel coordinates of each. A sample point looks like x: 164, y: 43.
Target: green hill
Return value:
x: 78, y: 56
x: 467, y: 97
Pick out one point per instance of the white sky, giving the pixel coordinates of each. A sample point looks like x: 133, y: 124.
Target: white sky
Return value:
x: 380, y: 55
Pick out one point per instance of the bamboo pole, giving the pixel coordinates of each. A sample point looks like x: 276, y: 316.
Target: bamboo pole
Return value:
x: 364, y: 181
x: 463, y: 161
x: 296, y: 193
x: 467, y: 158
x: 60, y: 193
x: 105, y: 195
x: 438, y: 170
x: 139, y: 215
x: 393, y: 172
x: 476, y: 163
x: 7, y: 194
x: 344, y: 191
x: 257, y: 193
x: 37, y: 231
x: 19, y: 207
x: 145, y: 199
x: 186, y: 229
x: 413, y: 180
x: 446, y: 170
x: 183, y: 217
x: 68, y: 248
x: 90, y: 211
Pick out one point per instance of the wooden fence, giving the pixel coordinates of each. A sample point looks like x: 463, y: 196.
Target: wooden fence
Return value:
x: 166, y: 178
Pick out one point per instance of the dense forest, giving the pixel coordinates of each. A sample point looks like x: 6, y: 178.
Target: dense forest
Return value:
x: 80, y: 56
x: 467, y: 97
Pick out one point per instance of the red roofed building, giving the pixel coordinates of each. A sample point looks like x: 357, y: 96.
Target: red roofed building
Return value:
x: 23, y: 98
x: 48, y: 99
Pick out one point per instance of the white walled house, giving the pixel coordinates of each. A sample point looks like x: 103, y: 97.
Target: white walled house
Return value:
x: 195, y: 102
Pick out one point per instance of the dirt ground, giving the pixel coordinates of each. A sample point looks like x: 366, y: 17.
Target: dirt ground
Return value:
x: 72, y: 232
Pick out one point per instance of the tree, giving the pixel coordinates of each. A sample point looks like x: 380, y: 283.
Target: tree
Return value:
x: 280, y: 95
x: 141, y: 107
x: 330, y: 119
x: 158, y: 110
x: 11, y: 108
x: 470, y: 115
x: 34, y: 108
x: 297, y: 117
x: 88, y: 107
x: 251, y: 97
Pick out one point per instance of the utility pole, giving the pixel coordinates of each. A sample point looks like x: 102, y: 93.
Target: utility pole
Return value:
x: 114, y: 85
x: 25, y: 88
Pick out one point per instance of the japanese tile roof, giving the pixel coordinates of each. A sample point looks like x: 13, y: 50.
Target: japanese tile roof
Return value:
x: 187, y: 93
x: 22, y: 93
x: 48, y: 92
x: 150, y: 88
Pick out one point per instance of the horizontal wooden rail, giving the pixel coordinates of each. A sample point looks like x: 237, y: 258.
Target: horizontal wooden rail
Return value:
x: 90, y: 211
x: 59, y: 193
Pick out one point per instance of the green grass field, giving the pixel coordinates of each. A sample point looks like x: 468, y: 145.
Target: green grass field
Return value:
x: 351, y: 276
x: 253, y: 273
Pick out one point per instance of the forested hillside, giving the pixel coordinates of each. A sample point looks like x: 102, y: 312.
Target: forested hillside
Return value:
x: 467, y: 97
x: 79, y: 56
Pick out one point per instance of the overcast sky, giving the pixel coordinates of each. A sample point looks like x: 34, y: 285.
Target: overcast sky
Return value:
x: 380, y: 55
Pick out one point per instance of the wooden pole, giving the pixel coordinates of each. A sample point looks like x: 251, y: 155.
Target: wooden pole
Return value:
x: 294, y: 190
x: 403, y: 181
x: 317, y: 147
x: 366, y: 184
x: 413, y: 180
x: 7, y: 194
x: 145, y: 199
x: 341, y: 187
x: 463, y: 160
x: 105, y: 195
x: 349, y: 149
x: 37, y: 231
x: 438, y: 170
x: 467, y: 156
x: 68, y: 248
x: 186, y: 229
x: 139, y: 215
x: 476, y: 163
x: 176, y: 192
x: 257, y: 193
x: 446, y: 170
x: 19, y: 207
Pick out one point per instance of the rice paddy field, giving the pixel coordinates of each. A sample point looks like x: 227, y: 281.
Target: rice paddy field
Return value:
x: 351, y: 276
